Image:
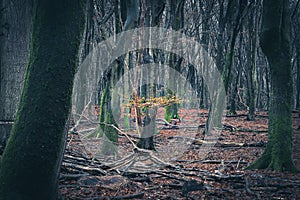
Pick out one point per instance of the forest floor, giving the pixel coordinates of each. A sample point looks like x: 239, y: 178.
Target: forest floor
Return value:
x: 195, y: 172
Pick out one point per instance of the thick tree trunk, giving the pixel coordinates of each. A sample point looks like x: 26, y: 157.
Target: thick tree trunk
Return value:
x: 15, y: 30
x: 275, y: 43
x: 30, y: 162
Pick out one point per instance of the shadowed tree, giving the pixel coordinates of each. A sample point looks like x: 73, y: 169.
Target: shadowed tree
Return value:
x: 31, y: 160
x: 151, y: 15
x: 177, y: 23
x: 15, y: 31
x: 275, y: 43
x: 129, y: 12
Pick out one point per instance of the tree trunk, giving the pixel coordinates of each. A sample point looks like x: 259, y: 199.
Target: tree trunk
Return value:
x: 297, y: 53
x: 177, y: 8
x: 225, y: 62
x: 108, y: 133
x: 15, y: 30
x: 275, y: 43
x: 298, y: 81
x: 30, y: 162
x: 147, y: 129
x: 251, y: 64
x: 296, y: 59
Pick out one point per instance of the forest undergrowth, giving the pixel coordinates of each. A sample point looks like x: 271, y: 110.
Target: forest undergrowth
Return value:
x: 217, y: 174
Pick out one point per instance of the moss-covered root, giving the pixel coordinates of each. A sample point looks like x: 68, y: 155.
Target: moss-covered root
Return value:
x: 267, y: 162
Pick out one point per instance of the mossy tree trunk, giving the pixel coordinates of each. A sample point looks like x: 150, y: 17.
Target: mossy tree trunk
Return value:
x: 275, y: 43
x: 31, y: 160
x: 108, y: 133
x: 177, y: 16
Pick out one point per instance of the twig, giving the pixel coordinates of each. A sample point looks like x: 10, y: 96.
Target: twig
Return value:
x: 130, y: 196
x: 86, y: 130
x: 120, y: 131
x: 106, y: 17
x: 238, y: 164
x: 122, y: 162
x: 91, y: 170
x: 82, y: 114
x: 247, y: 186
x: 72, y: 175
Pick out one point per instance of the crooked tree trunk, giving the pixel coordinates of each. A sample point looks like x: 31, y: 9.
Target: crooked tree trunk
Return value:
x: 30, y: 162
x: 275, y: 43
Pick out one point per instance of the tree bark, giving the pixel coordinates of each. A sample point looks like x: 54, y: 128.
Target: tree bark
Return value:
x: 298, y: 80
x: 108, y: 133
x: 296, y: 43
x: 177, y: 16
x: 30, y: 162
x: 15, y: 30
x: 275, y: 43
x: 251, y: 64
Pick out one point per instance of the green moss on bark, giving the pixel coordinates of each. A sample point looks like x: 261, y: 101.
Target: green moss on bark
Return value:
x: 171, y: 111
x: 108, y: 133
x: 275, y: 44
x: 30, y: 163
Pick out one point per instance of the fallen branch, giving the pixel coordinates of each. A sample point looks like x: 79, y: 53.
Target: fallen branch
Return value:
x: 252, y: 131
x: 247, y: 186
x: 213, y: 161
x: 129, y: 196
x: 236, y: 115
x: 138, y: 155
x: 81, y: 115
x: 72, y: 176
x: 90, y: 170
x: 219, y: 177
x: 230, y: 144
x: 166, y: 123
x: 235, y: 129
